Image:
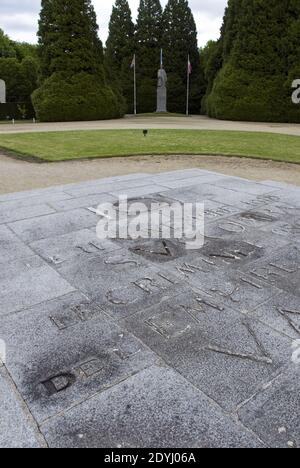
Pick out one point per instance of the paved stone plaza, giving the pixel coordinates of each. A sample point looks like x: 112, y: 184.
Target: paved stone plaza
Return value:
x: 144, y: 343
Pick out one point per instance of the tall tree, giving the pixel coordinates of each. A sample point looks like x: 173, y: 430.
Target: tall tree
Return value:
x: 120, y: 50
x: 68, y: 37
x: 73, y: 80
x: 258, y: 46
x: 179, y: 40
x: 148, y: 44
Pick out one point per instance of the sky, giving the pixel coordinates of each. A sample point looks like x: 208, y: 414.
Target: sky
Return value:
x: 18, y: 18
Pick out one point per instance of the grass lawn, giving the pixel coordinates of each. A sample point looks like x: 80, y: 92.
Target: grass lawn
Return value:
x: 59, y: 146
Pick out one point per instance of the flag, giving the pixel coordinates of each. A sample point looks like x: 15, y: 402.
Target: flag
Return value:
x: 190, y: 68
x: 133, y: 62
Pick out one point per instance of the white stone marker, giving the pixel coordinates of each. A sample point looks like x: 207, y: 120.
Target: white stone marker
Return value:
x: 2, y: 92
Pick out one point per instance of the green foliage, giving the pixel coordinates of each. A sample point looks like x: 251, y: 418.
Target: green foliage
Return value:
x: 17, y: 111
x: 148, y: 45
x: 68, y: 38
x: 20, y: 78
x: 71, y: 54
x: 120, y: 49
x: 18, y: 68
x: 6, y: 46
x: 79, y: 97
x: 179, y: 40
x: 256, y: 61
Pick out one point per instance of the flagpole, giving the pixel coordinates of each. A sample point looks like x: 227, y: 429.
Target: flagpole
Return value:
x: 188, y: 88
x: 134, y: 81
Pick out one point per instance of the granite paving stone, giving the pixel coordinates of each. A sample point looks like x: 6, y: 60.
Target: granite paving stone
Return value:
x: 243, y: 185
x: 224, y: 354
x: 56, y: 224
x: 281, y: 313
x: 143, y: 342
x: 65, y: 351
x: 11, y: 247
x: 154, y: 409
x: 16, y: 429
x: 11, y: 214
x: 30, y: 281
x: 274, y: 414
x: 77, y: 245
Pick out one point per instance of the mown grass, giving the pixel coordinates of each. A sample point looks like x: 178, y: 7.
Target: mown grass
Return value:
x: 60, y: 146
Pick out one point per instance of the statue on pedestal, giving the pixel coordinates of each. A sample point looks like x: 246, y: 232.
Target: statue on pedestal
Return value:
x: 162, y: 90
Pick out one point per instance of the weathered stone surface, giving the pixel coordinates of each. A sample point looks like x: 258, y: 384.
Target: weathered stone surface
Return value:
x: 10, y: 214
x: 54, y: 225
x: 244, y: 186
x: 11, y: 247
x: 90, y: 324
x: 16, y: 428
x: 221, y: 352
x: 281, y: 270
x: 81, y: 202
x: 64, y: 351
x: 137, y: 191
x: 192, y: 181
x: 78, y: 245
x: 156, y: 408
x: 281, y: 313
x: 274, y: 413
x: 24, y: 283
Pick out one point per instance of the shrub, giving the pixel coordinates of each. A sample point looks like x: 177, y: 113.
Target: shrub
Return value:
x: 81, y: 97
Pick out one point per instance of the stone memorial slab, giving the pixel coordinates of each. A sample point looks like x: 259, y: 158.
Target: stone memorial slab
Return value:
x: 282, y: 313
x: 140, y: 293
x: 78, y: 245
x: 27, y: 282
x: 231, y: 252
x: 112, y: 342
x: 221, y: 352
x: 159, y: 251
x: 281, y: 270
x: 57, y: 224
x: 231, y: 229
x: 120, y: 283
x: 274, y: 413
x: 64, y: 352
x: 148, y: 404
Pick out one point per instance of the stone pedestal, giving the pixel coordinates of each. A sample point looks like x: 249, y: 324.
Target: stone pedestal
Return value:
x: 2, y: 92
x: 162, y: 91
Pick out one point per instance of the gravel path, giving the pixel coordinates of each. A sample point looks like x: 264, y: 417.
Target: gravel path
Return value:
x: 130, y: 122
x: 17, y: 175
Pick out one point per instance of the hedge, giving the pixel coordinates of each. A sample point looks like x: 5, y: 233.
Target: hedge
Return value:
x: 81, y: 97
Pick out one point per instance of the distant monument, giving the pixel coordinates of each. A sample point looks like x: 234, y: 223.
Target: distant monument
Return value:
x: 2, y: 92
x: 162, y: 90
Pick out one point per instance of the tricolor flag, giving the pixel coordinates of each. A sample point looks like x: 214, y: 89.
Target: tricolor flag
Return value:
x: 190, y: 68
x: 133, y: 62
